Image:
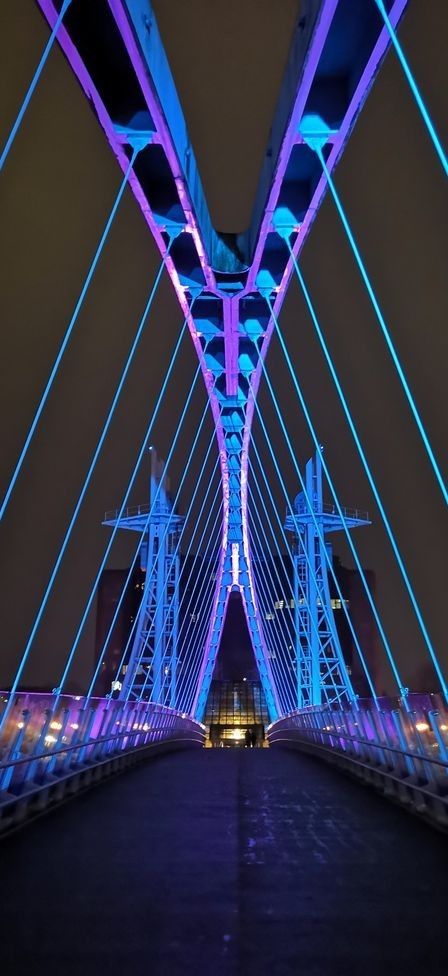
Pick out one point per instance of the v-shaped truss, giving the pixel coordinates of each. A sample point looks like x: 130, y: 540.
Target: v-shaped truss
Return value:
x: 115, y: 48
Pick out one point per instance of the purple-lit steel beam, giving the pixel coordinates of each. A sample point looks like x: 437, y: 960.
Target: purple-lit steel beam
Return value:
x: 115, y: 49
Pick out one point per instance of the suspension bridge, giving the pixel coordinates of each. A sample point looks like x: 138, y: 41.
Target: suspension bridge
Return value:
x: 278, y: 819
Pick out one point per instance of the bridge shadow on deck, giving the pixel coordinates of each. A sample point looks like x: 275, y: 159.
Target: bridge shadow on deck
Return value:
x: 225, y: 862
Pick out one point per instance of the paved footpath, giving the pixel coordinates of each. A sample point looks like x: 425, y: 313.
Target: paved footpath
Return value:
x: 225, y: 863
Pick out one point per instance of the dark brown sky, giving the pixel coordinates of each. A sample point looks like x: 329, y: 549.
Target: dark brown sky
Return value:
x: 56, y: 191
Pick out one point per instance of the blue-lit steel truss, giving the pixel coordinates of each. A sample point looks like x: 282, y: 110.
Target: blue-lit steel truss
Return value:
x: 151, y: 666
x: 236, y: 283
x: 322, y: 677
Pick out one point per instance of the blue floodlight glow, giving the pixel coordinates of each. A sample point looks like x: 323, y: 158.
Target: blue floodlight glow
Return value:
x: 315, y: 131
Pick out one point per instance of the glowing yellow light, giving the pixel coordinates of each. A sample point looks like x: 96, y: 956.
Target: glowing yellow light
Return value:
x: 237, y: 734
x: 444, y: 728
x: 49, y: 739
x: 20, y: 725
x: 422, y: 726
x: 55, y: 725
x: 75, y: 725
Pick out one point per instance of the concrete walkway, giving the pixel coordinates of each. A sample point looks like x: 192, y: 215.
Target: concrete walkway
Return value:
x: 225, y: 863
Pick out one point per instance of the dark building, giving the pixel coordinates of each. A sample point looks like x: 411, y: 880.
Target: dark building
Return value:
x: 109, y: 592
x: 363, y: 622
x: 235, y: 662
x: 196, y: 579
x: 277, y: 604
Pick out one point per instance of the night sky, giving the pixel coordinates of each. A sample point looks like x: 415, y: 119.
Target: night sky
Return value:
x: 56, y: 192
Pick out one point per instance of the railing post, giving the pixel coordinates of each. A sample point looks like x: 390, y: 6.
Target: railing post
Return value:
x: 116, y: 720
x: 86, y: 734
x: 54, y: 758
x: 128, y: 726
x: 147, y: 728
x: 103, y: 731
x: 443, y: 751
x: 422, y: 748
x: 39, y: 746
x: 378, y: 724
x: 79, y: 733
x: 397, y: 719
x: 350, y: 724
x: 15, y: 750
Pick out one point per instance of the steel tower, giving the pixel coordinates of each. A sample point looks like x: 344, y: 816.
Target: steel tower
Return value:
x: 322, y: 676
x: 151, y: 668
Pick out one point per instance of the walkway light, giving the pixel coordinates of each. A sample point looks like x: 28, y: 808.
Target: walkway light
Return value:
x: 422, y: 727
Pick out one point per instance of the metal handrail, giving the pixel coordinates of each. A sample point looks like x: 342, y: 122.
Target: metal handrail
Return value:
x: 79, y: 745
x: 387, y: 773
x: 369, y: 742
x: 134, y: 510
x: 328, y: 509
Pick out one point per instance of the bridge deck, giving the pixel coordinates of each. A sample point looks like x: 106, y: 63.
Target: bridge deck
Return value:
x: 225, y: 862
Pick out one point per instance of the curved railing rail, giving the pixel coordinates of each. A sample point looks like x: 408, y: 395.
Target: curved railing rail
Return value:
x: 401, y: 751
x: 53, y: 746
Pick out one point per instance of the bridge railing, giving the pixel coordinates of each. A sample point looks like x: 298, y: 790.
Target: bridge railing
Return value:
x: 326, y: 508
x: 50, y: 744
x: 401, y: 751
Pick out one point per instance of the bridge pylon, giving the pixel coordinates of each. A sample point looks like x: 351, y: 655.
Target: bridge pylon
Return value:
x: 151, y: 669
x: 322, y: 675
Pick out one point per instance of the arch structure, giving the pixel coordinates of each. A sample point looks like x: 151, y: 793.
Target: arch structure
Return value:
x: 226, y: 284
